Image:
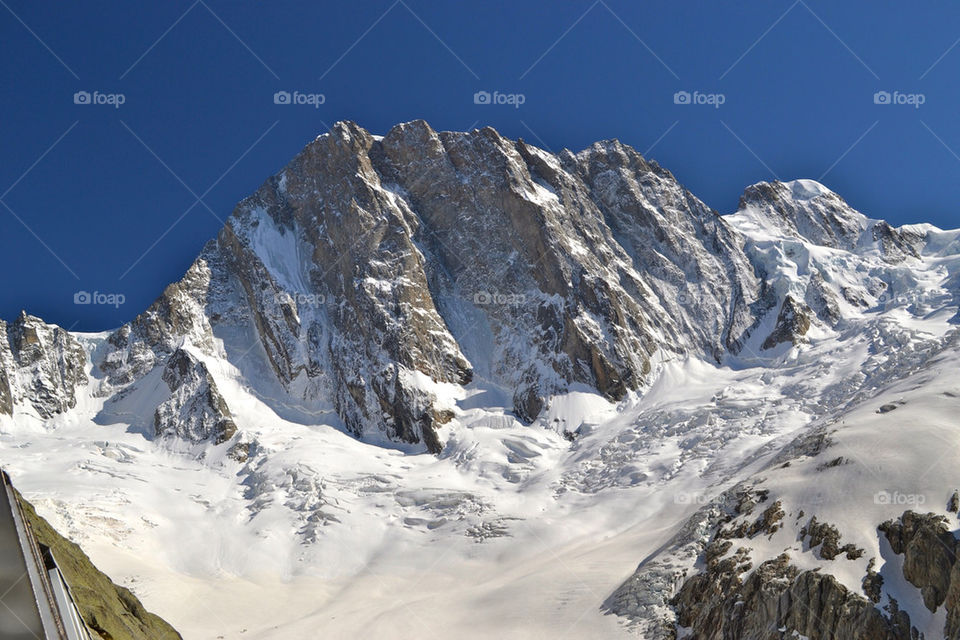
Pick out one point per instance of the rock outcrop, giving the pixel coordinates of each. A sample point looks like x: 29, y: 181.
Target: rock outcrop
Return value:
x: 195, y: 411
x: 929, y: 551
x: 41, y: 365
x: 806, y: 209
x: 793, y: 322
x: 732, y: 599
x: 776, y: 600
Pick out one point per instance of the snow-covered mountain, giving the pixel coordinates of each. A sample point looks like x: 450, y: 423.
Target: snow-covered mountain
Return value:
x: 437, y: 381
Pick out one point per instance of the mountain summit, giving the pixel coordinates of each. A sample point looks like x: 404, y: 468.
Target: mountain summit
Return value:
x: 451, y: 378
x: 371, y: 270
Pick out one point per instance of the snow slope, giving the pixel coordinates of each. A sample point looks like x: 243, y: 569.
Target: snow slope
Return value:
x: 514, y: 530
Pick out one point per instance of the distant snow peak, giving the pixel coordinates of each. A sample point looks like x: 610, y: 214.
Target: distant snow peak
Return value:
x: 805, y: 189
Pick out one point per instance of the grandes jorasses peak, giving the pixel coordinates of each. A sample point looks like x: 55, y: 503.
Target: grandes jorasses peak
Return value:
x: 432, y: 290
x: 371, y: 269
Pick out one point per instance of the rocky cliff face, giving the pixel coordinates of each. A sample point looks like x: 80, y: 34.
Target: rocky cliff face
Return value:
x: 41, y: 365
x: 777, y: 597
x: 793, y: 322
x: 371, y: 269
x: 195, y: 411
x: 805, y: 209
x: 734, y: 600
x: 929, y: 551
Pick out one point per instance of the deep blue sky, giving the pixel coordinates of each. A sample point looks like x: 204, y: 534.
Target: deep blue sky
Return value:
x: 199, y: 79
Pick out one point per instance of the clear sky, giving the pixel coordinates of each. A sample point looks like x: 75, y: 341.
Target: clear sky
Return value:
x: 119, y: 198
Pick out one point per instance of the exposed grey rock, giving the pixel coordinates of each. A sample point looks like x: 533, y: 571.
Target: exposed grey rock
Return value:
x: 368, y: 265
x: 873, y: 582
x: 151, y: 337
x: 824, y: 218
x: 896, y: 245
x: 240, y: 451
x: 689, y: 256
x: 644, y: 598
x: 195, y: 411
x: 777, y: 600
x: 6, y: 393
x: 767, y: 524
x: 825, y: 538
x: 929, y: 557
x: 41, y: 365
x: 823, y: 301
x: 793, y: 322
x: 732, y: 599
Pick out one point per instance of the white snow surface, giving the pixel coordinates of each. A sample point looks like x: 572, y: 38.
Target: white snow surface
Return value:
x: 513, y: 531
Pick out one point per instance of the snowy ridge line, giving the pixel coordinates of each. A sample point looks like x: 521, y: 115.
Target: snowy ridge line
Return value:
x: 583, y: 346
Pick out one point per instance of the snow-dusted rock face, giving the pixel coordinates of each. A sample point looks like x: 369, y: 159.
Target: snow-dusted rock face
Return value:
x: 823, y: 264
x: 179, y: 315
x: 691, y: 259
x: 41, y: 365
x: 793, y: 322
x: 371, y: 269
x: 195, y: 411
x: 817, y: 542
x: 806, y: 209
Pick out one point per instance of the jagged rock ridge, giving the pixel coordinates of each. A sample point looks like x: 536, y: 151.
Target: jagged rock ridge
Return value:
x: 372, y: 269
x: 40, y: 364
x: 371, y: 264
x: 375, y: 277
